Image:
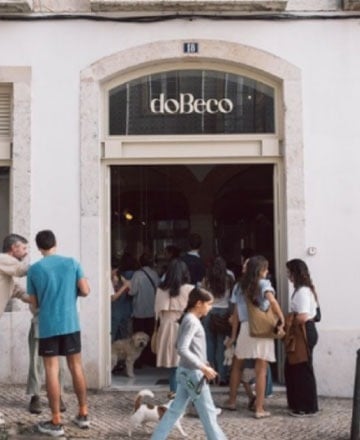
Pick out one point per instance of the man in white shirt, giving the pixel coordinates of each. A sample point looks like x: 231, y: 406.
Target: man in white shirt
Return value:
x: 12, y: 265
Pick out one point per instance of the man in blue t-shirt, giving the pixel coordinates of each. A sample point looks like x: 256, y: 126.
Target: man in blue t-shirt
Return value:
x: 54, y: 283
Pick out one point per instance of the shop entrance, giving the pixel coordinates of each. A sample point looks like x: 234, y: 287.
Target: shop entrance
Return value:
x: 230, y: 205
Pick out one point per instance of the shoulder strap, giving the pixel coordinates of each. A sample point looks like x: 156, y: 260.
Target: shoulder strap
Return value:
x: 149, y: 278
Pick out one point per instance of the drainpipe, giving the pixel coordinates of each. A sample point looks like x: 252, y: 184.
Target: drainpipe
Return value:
x: 356, y: 402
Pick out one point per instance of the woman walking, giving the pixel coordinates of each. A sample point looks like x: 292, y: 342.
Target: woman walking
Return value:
x: 299, y: 377
x: 193, y: 371
x: 256, y: 288
x: 170, y: 301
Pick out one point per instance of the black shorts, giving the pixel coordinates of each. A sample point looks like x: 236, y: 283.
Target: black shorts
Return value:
x: 62, y: 345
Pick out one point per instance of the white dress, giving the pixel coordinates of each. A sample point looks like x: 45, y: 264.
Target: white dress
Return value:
x: 169, y: 311
x: 249, y: 347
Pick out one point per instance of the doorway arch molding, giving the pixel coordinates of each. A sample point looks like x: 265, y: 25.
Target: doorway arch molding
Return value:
x: 92, y: 174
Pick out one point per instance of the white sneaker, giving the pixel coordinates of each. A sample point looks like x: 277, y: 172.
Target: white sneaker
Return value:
x: 50, y: 429
x: 82, y: 422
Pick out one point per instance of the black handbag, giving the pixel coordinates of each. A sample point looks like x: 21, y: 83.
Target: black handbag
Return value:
x: 317, y: 317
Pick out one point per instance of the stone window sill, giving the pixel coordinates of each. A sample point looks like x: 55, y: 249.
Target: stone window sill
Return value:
x: 188, y: 5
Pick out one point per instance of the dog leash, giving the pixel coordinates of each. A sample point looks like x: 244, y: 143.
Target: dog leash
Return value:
x: 197, y: 388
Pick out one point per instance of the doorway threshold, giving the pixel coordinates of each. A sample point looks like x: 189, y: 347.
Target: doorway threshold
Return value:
x: 156, y: 379
x: 146, y: 377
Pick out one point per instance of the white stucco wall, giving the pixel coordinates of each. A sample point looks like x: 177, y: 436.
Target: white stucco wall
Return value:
x: 326, y: 52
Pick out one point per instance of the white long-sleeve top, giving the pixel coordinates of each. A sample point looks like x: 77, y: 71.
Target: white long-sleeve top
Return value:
x: 191, y: 343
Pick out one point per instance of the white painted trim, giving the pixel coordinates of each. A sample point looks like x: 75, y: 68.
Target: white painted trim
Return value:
x: 188, y: 148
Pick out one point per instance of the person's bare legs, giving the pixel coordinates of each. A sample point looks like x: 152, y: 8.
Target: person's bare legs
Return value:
x: 79, y: 382
x: 235, y: 379
x: 51, y: 364
x: 260, y: 384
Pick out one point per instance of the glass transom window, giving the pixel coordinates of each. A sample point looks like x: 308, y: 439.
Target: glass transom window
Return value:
x: 191, y: 102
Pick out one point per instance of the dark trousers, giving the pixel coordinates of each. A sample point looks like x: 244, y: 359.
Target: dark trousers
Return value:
x: 300, y: 378
x: 145, y: 325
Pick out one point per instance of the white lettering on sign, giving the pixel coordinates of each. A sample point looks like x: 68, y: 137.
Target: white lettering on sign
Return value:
x: 187, y: 104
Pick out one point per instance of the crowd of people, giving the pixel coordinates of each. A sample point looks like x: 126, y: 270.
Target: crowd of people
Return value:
x: 228, y: 316
x: 199, y: 310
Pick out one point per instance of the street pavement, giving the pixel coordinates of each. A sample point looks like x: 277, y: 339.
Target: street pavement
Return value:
x: 110, y: 411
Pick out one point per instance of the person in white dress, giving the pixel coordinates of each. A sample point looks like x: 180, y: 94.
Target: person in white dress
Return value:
x: 170, y: 301
x: 256, y: 288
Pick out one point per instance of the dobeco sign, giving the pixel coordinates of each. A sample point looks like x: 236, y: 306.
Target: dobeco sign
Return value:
x: 191, y: 101
x: 187, y: 104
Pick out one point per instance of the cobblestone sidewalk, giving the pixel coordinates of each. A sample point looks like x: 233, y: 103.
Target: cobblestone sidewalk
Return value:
x: 110, y: 410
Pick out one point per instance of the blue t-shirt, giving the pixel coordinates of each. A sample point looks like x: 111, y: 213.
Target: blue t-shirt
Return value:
x: 238, y: 298
x: 53, y: 280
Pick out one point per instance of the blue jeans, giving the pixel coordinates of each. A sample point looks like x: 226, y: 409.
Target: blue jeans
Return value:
x: 121, y: 311
x: 186, y: 391
x: 215, y: 346
x: 172, y: 379
x: 269, y: 382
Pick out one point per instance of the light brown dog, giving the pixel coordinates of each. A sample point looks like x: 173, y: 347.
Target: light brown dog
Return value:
x: 128, y: 350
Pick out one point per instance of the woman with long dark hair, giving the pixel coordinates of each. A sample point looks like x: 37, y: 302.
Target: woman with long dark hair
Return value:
x: 193, y: 372
x: 256, y: 288
x: 170, y: 301
x: 299, y: 377
x: 218, y: 283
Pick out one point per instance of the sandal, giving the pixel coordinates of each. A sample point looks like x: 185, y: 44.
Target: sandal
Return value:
x: 251, y: 404
x: 229, y: 406
x: 262, y: 415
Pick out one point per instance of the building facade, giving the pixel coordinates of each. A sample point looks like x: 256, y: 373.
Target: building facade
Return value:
x: 221, y: 117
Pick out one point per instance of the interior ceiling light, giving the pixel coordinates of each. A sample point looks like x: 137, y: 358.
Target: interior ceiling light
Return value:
x: 128, y: 215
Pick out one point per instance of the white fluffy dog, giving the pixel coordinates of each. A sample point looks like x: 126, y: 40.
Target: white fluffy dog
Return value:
x: 144, y: 413
x: 128, y: 350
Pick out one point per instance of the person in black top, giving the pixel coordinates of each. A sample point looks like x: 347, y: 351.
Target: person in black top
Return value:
x: 193, y: 261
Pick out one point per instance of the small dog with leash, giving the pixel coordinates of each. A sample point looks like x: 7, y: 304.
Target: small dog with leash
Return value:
x: 144, y: 413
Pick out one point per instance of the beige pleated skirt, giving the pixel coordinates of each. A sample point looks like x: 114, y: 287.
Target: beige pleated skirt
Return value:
x: 248, y: 347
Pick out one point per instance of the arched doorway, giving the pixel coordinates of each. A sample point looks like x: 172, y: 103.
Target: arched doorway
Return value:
x: 101, y: 151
